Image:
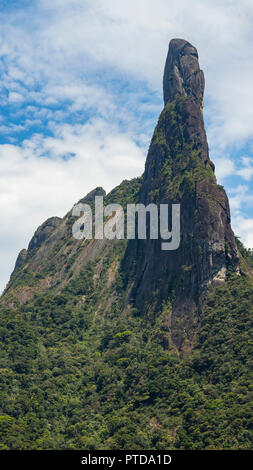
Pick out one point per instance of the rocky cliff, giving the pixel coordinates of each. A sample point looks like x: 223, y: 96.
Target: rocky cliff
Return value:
x: 178, y: 170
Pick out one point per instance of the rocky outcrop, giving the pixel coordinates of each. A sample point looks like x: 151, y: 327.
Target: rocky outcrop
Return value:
x: 43, y: 232
x: 182, y: 74
x: 90, y: 197
x: 21, y: 258
x: 178, y: 170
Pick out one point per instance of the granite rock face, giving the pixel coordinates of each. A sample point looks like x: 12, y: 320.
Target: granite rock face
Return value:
x: 178, y: 170
x: 43, y: 232
x: 90, y: 197
x: 182, y: 74
x: 21, y: 258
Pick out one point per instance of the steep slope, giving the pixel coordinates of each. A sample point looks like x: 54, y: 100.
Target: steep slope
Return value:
x: 110, y: 344
x: 178, y: 170
x: 54, y: 257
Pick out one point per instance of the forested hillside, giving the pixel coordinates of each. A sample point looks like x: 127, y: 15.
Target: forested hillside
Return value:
x: 77, y: 372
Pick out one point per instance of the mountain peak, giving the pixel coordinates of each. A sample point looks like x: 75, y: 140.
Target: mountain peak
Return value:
x: 90, y: 197
x: 182, y: 74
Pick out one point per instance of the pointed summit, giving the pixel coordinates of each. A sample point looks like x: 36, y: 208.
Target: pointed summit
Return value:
x: 182, y: 74
x: 178, y: 170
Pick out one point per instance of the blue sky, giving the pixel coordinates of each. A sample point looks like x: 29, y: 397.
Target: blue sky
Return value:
x: 81, y: 92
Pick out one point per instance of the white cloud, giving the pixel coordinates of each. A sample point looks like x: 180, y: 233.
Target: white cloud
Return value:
x: 244, y: 227
x: 224, y: 167
x: 247, y: 171
x: 240, y: 198
x: 15, y: 97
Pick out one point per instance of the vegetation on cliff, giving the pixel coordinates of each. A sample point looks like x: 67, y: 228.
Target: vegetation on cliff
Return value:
x: 78, y: 372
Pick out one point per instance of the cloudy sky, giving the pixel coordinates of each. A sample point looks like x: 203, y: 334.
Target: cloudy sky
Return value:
x: 81, y: 92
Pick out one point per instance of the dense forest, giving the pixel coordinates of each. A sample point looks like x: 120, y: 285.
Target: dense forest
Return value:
x: 74, y: 379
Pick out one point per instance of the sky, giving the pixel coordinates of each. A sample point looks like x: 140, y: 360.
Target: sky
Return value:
x: 81, y: 93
